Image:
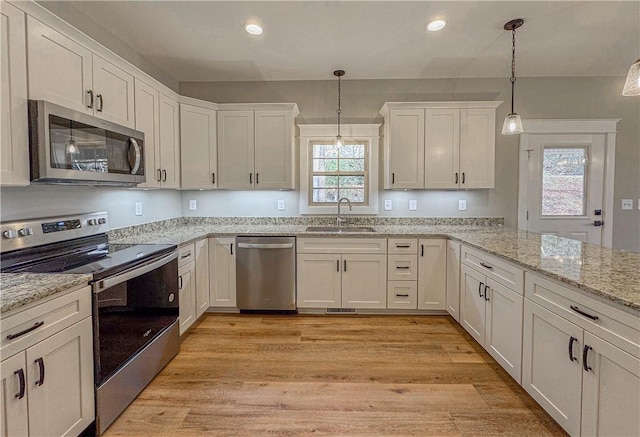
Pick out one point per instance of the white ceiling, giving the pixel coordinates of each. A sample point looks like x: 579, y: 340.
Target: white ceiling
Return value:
x: 307, y: 40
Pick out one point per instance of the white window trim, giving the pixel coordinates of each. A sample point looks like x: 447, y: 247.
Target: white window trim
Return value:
x: 350, y: 132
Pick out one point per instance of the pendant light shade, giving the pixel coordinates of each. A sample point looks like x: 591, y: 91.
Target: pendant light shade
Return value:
x: 339, y: 142
x: 632, y: 85
x: 513, y: 123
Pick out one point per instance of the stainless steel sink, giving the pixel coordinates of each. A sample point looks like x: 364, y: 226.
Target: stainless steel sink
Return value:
x: 336, y: 229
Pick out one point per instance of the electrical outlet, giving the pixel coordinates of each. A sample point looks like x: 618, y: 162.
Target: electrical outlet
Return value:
x: 281, y: 206
x: 462, y: 205
x: 388, y: 205
x: 193, y: 205
x: 413, y: 205
x: 627, y: 203
x: 138, y: 208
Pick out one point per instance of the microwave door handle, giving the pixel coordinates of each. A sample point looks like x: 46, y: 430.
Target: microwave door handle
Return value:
x: 106, y: 283
x: 138, y: 160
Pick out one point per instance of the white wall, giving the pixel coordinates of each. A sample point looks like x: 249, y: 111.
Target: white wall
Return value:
x: 54, y: 200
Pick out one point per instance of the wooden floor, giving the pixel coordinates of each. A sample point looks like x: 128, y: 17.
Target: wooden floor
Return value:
x: 246, y: 375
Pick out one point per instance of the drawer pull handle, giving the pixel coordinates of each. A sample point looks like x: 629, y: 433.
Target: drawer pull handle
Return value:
x: 402, y: 295
x: 571, y: 357
x: 186, y: 255
x: 22, y: 390
x: 180, y: 282
x: 486, y: 266
x: 480, y: 289
x: 403, y: 246
x: 40, y: 362
x: 486, y: 294
x: 585, y: 353
x: 26, y: 331
x: 402, y: 267
x: 577, y: 310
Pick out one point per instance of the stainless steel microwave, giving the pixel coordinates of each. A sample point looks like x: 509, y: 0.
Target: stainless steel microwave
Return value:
x: 70, y: 147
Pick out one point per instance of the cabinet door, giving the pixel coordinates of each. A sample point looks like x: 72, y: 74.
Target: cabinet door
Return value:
x: 432, y: 274
x: 319, y: 281
x: 198, y: 150
x: 477, y: 148
x: 14, y: 146
x: 169, y: 138
x: 59, y: 68
x: 472, y: 303
x: 14, y: 420
x: 222, y: 272
x: 453, y: 279
x: 610, y: 390
x: 148, y: 122
x: 406, y: 149
x: 187, y: 292
x: 441, y: 150
x: 274, y: 149
x: 236, y: 149
x: 63, y: 404
x: 202, y: 276
x: 113, y: 88
x: 548, y: 373
x: 503, y: 330
x: 364, y: 281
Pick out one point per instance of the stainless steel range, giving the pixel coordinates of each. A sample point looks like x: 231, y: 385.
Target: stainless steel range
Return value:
x: 135, y: 298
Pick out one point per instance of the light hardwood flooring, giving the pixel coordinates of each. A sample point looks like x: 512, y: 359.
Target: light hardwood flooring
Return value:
x: 246, y: 375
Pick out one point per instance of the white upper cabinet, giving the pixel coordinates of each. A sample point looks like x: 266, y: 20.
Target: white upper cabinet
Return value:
x: 148, y: 122
x: 439, y: 145
x: 64, y: 72
x: 14, y: 147
x: 198, y: 150
x: 168, y: 170
x: 255, y: 146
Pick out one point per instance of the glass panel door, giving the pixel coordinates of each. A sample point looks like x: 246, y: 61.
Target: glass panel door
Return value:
x: 563, y: 181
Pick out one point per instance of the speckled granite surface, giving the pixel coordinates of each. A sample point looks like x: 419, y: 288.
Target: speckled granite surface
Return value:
x: 18, y: 289
x: 612, y: 274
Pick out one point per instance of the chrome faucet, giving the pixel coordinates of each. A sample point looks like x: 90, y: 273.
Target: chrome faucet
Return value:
x: 340, y: 220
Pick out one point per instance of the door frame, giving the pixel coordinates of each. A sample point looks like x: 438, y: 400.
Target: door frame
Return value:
x: 607, y: 127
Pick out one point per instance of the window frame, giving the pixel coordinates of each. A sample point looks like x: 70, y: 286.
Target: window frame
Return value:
x: 368, y: 134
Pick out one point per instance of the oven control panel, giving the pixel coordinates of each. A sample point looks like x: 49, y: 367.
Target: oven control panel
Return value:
x: 64, y: 225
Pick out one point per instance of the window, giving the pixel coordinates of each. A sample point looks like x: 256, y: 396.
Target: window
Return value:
x: 328, y: 174
x: 563, y: 181
x: 338, y: 172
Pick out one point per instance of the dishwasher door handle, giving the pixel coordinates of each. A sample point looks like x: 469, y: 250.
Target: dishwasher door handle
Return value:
x: 265, y: 246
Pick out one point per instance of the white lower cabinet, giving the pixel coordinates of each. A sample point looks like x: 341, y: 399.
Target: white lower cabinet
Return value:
x: 47, y: 388
x: 187, y: 293
x: 588, y: 385
x: 492, y: 314
x: 202, y: 276
x: 453, y: 279
x: 432, y: 273
x: 341, y: 273
x: 222, y: 272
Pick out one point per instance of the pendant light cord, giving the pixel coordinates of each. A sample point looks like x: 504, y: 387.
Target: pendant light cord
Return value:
x: 339, y: 111
x: 513, y: 65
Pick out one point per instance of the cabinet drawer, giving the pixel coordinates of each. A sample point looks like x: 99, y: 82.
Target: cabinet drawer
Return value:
x: 402, y: 246
x: 402, y: 295
x: 501, y: 271
x: 342, y: 245
x: 49, y: 318
x: 402, y: 268
x: 616, y: 326
x: 186, y: 254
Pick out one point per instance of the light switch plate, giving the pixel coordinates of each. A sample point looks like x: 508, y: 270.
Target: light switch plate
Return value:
x: 627, y: 203
x: 388, y: 205
x: 138, y: 208
x: 413, y: 205
x: 281, y: 206
x: 462, y: 205
x: 193, y: 205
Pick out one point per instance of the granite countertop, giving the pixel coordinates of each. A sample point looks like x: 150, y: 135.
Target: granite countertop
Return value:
x: 19, y: 289
x: 609, y: 273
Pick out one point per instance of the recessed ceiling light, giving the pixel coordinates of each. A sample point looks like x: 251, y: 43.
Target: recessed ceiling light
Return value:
x: 253, y: 29
x: 436, y: 25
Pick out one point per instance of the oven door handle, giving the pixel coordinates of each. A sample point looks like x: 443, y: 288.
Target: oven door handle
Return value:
x: 103, y: 284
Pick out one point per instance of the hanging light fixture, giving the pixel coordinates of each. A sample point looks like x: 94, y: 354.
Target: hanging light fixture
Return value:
x: 513, y: 123
x: 632, y: 85
x: 339, y: 74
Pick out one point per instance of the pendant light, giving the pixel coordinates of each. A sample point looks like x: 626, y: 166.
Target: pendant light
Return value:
x: 512, y: 123
x: 339, y: 142
x: 632, y: 85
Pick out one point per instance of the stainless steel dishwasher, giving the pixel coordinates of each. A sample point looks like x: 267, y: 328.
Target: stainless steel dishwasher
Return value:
x: 266, y: 274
